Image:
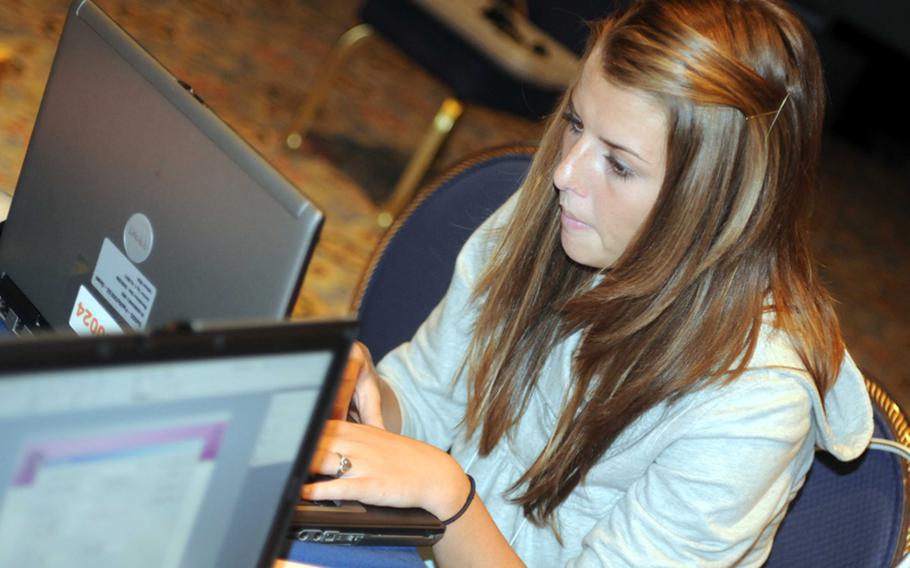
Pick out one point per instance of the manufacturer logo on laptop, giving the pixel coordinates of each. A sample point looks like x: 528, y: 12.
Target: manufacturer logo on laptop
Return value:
x: 138, y: 238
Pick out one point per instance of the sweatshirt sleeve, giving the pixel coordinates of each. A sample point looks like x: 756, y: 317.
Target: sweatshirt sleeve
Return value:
x: 421, y: 372
x: 715, y: 495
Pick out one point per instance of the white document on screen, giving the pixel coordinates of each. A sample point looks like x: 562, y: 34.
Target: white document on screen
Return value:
x: 133, y: 496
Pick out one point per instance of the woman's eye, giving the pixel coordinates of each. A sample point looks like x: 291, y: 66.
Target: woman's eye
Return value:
x: 574, y: 123
x: 619, y: 168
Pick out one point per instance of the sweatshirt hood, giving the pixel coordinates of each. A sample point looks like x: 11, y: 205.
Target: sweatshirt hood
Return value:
x: 842, y: 418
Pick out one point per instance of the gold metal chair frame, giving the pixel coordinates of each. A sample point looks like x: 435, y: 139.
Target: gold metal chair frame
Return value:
x: 900, y: 432
x: 421, y: 159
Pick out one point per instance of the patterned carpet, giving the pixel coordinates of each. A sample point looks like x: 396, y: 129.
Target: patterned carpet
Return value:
x: 252, y: 61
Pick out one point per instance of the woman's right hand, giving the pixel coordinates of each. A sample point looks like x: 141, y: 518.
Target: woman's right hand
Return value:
x: 358, y: 394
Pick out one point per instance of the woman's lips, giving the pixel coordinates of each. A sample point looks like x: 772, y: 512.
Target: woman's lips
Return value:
x: 571, y: 222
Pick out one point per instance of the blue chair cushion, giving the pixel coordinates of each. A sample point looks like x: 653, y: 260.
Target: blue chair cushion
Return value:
x: 847, y: 514
x: 418, y: 262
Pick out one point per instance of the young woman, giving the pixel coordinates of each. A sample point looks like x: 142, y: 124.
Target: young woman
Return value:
x: 635, y: 360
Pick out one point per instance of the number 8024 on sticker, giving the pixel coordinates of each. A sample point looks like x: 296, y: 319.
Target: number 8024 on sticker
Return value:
x: 89, y: 317
x: 89, y: 320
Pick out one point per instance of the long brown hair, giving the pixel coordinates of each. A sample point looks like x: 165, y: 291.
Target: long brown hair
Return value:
x: 725, y: 243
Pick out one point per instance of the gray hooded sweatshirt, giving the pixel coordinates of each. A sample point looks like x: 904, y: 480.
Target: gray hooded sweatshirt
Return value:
x: 704, y: 481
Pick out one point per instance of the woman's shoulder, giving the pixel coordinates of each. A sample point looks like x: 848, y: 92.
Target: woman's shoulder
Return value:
x: 776, y: 384
x: 758, y: 400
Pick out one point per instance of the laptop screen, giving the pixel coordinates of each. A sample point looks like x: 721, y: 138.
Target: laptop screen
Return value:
x: 171, y: 463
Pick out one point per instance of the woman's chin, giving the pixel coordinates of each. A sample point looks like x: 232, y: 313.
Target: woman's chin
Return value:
x: 580, y: 251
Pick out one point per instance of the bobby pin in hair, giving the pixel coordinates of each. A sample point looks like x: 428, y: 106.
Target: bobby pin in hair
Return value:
x: 776, y: 113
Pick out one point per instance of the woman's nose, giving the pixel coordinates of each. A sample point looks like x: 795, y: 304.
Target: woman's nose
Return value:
x: 569, y: 170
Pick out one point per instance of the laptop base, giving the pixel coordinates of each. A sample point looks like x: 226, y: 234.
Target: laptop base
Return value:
x: 353, y: 523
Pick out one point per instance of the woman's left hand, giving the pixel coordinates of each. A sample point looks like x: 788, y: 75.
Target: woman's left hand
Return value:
x: 386, y: 469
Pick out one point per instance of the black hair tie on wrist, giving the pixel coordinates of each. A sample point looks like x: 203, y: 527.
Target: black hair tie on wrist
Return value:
x: 464, y: 507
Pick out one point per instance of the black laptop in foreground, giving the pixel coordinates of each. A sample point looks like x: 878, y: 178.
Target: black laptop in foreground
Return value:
x: 166, y: 450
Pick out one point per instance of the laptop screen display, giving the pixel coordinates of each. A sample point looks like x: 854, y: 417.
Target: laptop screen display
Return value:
x: 161, y: 464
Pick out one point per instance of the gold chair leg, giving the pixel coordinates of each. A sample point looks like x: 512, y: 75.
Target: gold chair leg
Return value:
x: 325, y: 77
x: 420, y: 161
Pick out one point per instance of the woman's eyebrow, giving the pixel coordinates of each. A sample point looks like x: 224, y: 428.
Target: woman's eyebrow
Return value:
x: 612, y: 145
x: 621, y: 148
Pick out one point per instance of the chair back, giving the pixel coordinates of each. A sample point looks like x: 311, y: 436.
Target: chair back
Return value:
x: 851, y: 514
x: 413, y: 265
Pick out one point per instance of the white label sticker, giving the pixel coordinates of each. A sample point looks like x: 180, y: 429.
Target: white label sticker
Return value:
x: 123, y: 286
x: 89, y: 317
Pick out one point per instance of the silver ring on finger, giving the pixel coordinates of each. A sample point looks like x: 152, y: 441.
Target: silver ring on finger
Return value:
x: 344, y: 465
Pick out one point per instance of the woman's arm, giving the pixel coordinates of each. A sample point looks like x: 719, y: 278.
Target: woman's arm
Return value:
x: 392, y: 470
x: 425, y: 372
x: 391, y: 412
x: 475, y: 540
x: 364, y: 395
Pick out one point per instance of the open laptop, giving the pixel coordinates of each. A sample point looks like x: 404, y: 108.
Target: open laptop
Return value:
x: 136, y: 205
x: 170, y: 450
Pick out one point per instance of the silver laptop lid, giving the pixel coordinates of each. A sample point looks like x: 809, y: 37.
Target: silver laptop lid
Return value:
x: 179, y: 449
x: 136, y: 205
